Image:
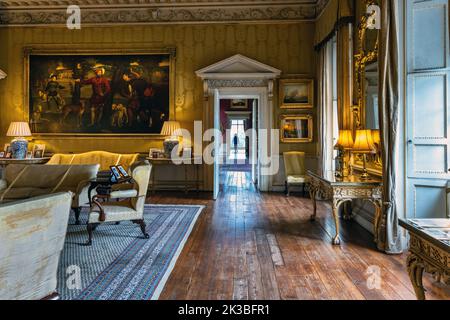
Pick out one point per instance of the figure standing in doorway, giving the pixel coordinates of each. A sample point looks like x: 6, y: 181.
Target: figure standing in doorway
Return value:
x: 235, y: 144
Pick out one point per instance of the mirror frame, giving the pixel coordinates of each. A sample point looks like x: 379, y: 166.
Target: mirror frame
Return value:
x: 362, y: 59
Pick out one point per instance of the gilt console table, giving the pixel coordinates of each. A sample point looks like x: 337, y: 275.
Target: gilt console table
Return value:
x: 341, y: 190
x: 429, y: 250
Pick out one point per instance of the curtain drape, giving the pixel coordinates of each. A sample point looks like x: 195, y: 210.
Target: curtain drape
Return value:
x: 335, y: 14
x: 389, y: 232
x: 325, y: 87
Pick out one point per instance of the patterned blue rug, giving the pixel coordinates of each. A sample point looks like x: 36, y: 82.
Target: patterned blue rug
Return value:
x: 120, y: 264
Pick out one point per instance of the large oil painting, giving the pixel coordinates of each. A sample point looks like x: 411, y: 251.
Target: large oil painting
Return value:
x: 98, y: 94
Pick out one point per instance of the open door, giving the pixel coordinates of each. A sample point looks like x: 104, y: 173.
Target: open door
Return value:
x: 217, y: 145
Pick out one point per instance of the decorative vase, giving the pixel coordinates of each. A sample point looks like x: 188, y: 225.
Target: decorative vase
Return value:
x: 169, y: 145
x: 19, y: 148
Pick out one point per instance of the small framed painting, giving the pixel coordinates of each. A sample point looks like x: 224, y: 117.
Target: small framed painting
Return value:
x: 38, y: 150
x: 296, y: 93
x: 296, y: 128
x: 238, y: 104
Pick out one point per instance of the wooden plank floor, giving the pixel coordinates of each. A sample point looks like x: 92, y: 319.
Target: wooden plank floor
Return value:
x: 250, y: 245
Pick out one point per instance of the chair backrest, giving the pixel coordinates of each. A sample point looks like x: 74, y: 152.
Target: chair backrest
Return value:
x: 294, y: 163
x: 32, y: 234
x: 140, y: 171
x: 41, y: 176
x: 103, y: 158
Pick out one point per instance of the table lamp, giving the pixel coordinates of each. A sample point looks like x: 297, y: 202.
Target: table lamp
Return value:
x: 364, y: 144
x: 376, y: 137
x: 19, y: 145
x: 345, y: 143
x: 169, y: 129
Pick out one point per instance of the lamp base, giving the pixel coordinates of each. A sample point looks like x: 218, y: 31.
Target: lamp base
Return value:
x: 365, y: 174
x: 169, y: 145
x: 19, y: 148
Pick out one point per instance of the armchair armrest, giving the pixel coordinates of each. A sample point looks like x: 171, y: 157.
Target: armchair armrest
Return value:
x: 130, y: 193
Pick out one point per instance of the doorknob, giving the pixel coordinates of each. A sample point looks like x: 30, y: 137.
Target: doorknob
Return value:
x: 410, y: 141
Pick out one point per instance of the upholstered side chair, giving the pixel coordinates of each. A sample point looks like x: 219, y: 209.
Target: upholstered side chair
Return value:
x: 125, y: 202
x: 294, y: 167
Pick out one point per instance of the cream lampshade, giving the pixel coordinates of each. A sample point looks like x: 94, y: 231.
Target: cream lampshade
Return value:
x: 344, y: 143
x: 345, y: 140
x: 169, y: 129
x: 19, y: 145
x: 364, y: 144
x: 376, y: 137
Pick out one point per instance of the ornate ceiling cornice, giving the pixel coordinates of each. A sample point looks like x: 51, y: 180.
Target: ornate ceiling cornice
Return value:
x: 108, y: 12
x: 321, y: 4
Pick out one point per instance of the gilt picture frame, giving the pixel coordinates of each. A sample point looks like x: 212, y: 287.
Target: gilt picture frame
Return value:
x: 296, y: 128
x: 296, y: 93
x: 61, y: 85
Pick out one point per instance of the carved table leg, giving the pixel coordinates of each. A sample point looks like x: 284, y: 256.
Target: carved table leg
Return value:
x: 336, y: 204
x: 312, y: 194
x: 415, y: 271
x: 377, y: 218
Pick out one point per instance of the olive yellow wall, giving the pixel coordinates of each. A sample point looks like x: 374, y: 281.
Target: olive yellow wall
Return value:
x: 288, y: 47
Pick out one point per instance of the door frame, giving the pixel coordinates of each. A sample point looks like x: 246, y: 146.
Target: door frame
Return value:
x: 265, y: 119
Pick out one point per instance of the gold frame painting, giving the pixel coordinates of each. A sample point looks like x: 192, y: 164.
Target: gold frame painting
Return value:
x: 66, y: 53
x: 291, y: 134
x: 296, y: 93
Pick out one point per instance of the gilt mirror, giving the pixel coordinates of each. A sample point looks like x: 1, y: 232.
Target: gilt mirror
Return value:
x: 365, y: 110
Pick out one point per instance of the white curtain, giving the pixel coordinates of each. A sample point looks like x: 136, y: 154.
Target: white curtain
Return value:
x: 325, y: 99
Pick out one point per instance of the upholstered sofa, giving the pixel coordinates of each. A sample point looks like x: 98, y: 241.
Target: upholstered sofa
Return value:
x: 26, y: 181
x: 103, y: 158
x: 32, y: 234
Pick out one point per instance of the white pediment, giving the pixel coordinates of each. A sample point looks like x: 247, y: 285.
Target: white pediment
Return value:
x: 238, y: 67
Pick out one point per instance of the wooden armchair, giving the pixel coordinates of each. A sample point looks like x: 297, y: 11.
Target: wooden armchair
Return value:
x: 125, y: 202
x: 294, y: 166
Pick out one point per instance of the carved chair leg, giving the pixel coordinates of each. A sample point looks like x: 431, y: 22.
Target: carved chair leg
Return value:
x: 142, y: 225
x: 90, y: 228
x: 77, y: 212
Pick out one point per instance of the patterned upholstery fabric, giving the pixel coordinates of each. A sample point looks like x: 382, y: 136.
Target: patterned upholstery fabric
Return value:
x: 32, y: 234
x: 103, y: 158
x: 26, y: 181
